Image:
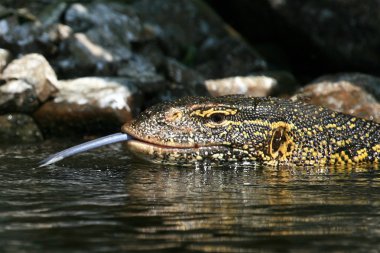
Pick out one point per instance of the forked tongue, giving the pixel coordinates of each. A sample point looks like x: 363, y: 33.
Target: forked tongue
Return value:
x: 106, y: 140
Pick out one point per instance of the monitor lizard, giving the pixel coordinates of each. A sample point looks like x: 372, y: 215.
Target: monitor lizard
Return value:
x: 244, y: 130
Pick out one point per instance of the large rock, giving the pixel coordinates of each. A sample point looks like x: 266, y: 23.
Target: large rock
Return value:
x: 101, y: 38
x: 18, y: 128
x: 131, y: 40
x: 345, y: 31
x: 140, y: 69
x: 184, y: 80
x: 5, y: 56
x: 313, y: 36
x: 22, y: 32
x: 29, y: 81
x: 349, y: 93
x: 257, y: 85
x: 18, y: 96
x: 180, y: 25
x: 193, y: 32
x: 89, y: 105
x: 371, y: 84
x: 228, y: 57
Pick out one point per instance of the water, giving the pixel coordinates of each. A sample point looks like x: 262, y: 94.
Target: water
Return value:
x: 106, y: 201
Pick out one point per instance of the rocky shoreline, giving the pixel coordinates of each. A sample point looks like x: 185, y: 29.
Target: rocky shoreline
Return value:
x: 86, y: 68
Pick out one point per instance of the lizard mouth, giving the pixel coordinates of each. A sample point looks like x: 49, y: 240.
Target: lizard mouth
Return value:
x: 177, y: 155
x: 184, y: 154
x: 163, y: 154
x: 155, y: 142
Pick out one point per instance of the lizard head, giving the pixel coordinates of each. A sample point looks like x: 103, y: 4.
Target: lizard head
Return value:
x: 203, y: 129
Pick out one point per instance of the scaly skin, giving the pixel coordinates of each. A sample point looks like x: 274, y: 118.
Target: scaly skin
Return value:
x: 247, y: 130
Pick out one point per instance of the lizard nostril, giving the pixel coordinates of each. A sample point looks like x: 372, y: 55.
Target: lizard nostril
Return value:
x: 173, y: 115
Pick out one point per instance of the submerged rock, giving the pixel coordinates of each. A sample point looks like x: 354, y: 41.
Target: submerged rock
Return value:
x: 18, y: 128
x: 349, y: 93
x: 29, y: 81
x: 89, y: 105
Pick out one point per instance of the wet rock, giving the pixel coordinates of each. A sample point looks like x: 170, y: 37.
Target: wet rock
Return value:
x: 16, y: 128
x: 257, y: 85
x: 29, y: 81
x: 344, y: 93
x: 89, y: 105
x: 5, y: 57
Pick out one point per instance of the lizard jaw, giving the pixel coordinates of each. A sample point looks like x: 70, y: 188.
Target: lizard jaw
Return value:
x: 178, y: 155
x: 153, y: 149
x: 162, y: 154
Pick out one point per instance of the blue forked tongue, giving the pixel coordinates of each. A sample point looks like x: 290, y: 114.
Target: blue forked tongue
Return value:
x: 106, y: 140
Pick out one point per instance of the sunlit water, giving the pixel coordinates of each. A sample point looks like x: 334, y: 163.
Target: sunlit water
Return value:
x: 106, y: 201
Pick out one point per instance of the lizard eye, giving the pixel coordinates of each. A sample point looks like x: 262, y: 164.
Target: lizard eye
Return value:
x: 217, y: 118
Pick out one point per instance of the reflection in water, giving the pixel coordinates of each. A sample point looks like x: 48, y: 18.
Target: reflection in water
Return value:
x: 106, y: 201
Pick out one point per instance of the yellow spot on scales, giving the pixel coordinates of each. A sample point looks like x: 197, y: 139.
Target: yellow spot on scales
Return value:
x: 376, y: 148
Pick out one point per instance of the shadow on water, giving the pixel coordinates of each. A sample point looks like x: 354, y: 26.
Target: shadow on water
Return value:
x: 105, y: 200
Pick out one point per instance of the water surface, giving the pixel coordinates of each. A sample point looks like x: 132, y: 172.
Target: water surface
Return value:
x: 107, y: 201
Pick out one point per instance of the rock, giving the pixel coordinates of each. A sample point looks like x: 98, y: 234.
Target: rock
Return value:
x: 257, y: 85
x: 194, y: 33
x: 185, y: 78
x: 35, y: 70
x: 18, y: 128
x: 22, y: 33
x: 89, y: 105
x: 52, y: 13
x: 181, y: 81
x: 318, y: 36
x: 190, y: 22
x: 369, y: 83
x: 346, y: 32
x: 140, y: 69
x: 5, y: 57
x: 344, y: 93
x: 87, y: 39
x: 29, y: 81
x: 98, y: 45
x: 18, y: 96
x: 228, y: 57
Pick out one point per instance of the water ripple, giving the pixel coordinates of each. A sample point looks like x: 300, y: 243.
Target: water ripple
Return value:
x: 106, y: 201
